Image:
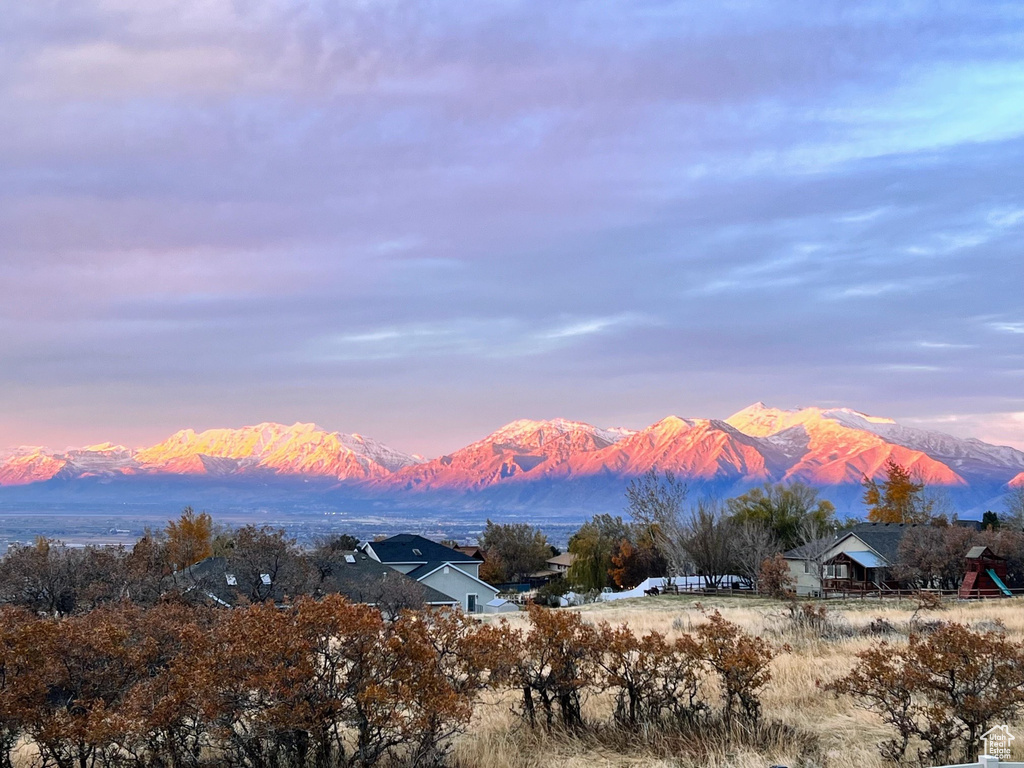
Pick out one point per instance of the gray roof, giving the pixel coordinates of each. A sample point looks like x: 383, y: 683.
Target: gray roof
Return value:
x: 883, y: 538
x: 975, y: 553
x: 410, y: 548
x: 360, y: 578
x: 355, y: 575
x: 805, y: 551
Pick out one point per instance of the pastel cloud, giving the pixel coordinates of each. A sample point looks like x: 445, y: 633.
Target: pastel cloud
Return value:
x: 419, y: 220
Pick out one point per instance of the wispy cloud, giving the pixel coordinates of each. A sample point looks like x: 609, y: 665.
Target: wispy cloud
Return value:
x: 563, y: 203
x: 489, y: 338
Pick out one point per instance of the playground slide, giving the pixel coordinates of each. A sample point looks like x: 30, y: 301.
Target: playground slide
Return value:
x: 999, y: 582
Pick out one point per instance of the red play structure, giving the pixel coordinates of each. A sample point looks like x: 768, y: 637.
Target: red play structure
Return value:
x: 985, y: 574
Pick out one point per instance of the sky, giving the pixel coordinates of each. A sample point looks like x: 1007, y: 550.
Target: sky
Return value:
x: 419, y: 220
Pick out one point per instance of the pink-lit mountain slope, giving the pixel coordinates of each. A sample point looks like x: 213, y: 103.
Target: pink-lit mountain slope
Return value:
x: 302, y: 450
x: 703, y: 449
x: 839, y: 446
x: 523, y: 448
x: 528, y: 461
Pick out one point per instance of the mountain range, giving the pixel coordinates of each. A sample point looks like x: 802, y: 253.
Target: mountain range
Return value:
x: 533, y: 464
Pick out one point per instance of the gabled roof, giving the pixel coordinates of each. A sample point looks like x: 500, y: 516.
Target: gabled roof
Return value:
x: 471, y: 550
x: 355, y: 575
x: 976, y: 553
x: 808, y: 550
x: 883, y: 538
x: 408, y: 548
x: 425, y: 570
x: 362, y: 579
x: 566, y: 559
x: 213, y: 579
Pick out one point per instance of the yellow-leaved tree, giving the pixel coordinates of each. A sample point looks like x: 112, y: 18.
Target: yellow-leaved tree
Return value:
x: 898, y: 499
x: 189, y: 538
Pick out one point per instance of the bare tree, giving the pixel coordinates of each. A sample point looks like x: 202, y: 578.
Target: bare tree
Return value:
x: 1014, y: 502
x: 267, y: 563
x: 817, y: 539
x: 656, y: 501
x: 709, y: 541
x: 754, y: 543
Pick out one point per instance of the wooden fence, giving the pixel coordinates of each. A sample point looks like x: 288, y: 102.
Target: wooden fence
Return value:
x: 984, y: 761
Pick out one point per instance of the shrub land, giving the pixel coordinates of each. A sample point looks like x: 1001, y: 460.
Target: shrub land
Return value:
x: 660, y: 681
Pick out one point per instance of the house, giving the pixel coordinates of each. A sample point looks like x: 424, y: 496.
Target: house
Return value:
x: 561, y: 563
x: 858, y: 560
x: 554, y: 568
x: 355, y: 575
x: 447, y: 570
x: 471, y: 550
x: 804, y: 567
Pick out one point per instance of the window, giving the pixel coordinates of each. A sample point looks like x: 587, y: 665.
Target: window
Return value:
x: 807, y: 566
x: 231, y: 580
x: 836, y: 571
x: 350, y: 559
x: 417, y: 553
x: 471, y: 603
x: 265, y: 578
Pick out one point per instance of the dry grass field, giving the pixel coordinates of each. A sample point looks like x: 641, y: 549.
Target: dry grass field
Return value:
x: 824, y: 731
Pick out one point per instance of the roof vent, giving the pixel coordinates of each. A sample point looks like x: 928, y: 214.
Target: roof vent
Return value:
x: 417, y: 552
x: 265, y: 578
x: 231, y: 580
x: 350, y: 558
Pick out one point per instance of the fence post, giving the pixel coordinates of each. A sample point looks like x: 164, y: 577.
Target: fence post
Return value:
x: 987, y: 761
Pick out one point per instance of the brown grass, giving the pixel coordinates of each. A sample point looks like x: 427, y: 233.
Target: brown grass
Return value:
x: 817, y: 728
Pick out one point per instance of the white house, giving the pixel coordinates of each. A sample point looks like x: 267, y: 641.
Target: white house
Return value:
x: 447, y: 570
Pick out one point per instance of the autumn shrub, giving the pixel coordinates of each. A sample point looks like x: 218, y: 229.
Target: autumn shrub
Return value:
x: 446, y: 656
x: 653, y: 678
x: 555, y: 664
x: 20, y: 685
x: 73, y: 704
x: 740, y: 661
x: 944, y: 688
x: 169, y: 711
x: 810, y: 620
x: 774, y: 577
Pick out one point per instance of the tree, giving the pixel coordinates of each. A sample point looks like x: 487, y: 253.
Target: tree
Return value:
x: 266, y: 563
x: 521, y: 548
x: 189, y: 539
x: 775, y: 578
x: 709, y: 542
x: 635, y: 561
x: 933, y: 556
x: 43, y: 577
x: 898, y: 499
x: 815, y: 542
x: 656, y: 502
x: 755, y: 543
x: 593, y: 546
x: 990, y: 520
x: 783, y: 510
x: 1014, y: 504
